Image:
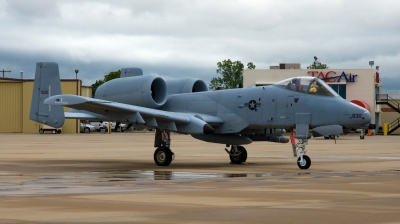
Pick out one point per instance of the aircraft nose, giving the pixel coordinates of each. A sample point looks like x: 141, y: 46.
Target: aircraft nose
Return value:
x: 367, y: 116
x: 359, y: 117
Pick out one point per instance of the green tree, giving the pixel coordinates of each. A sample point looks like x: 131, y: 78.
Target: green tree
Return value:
x: 232, y: 75
x: 108, y: 77
x: 318, y: 66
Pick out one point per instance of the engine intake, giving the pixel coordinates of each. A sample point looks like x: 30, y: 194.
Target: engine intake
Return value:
x: 185, y: 85
x: 145, y: 91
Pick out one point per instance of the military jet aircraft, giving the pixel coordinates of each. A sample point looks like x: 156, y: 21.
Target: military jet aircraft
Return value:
x: 233, y: 117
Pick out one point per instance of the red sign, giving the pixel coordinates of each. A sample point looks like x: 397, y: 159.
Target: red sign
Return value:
x: 331, y: 76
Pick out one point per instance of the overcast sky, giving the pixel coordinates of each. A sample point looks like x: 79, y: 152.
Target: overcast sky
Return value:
x: 184, y: 38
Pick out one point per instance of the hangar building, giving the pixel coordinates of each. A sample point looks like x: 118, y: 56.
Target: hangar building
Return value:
x: 15, y: 99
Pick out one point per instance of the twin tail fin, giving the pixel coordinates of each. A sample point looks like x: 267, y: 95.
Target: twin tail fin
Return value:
x: 46, y: 84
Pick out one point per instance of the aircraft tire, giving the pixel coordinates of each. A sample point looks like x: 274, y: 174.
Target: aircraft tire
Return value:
x: 41, y: 131
x: 163, y: 156
x: 54, y: 131
x: 241, y: 157
x: 306, y: 164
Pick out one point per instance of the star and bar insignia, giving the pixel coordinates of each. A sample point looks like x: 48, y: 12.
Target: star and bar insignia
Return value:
x: 252, y: 105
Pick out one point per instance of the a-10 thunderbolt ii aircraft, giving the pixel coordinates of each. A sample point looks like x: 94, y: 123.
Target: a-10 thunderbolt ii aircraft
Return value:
x: 233, y: 117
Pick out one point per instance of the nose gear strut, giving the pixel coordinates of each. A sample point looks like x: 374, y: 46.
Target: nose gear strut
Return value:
x: 303, y: 162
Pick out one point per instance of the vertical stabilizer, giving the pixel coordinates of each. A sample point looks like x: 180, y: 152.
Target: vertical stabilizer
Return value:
x: 130, y: 72
x: 47, y: 83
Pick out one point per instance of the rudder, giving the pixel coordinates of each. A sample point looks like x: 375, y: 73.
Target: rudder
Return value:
x: 46, y: 84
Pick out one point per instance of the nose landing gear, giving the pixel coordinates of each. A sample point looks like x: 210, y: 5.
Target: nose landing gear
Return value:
x: 303, y: 162
x: 362, y: 134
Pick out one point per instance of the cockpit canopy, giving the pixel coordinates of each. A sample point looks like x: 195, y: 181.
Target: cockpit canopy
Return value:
x: 306, y: 84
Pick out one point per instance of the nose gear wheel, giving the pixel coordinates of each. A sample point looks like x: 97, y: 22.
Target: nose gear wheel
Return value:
x: 305, y: 163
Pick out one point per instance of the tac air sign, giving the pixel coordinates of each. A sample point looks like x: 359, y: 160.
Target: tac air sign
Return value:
x: 332, y: 76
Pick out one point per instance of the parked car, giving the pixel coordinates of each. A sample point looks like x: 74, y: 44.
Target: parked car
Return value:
x: 98, y: 125
x: 87, y: 128
x: 121, y: 127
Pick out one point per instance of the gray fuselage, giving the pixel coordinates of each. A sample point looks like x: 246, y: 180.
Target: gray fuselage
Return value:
x: 268, y: 107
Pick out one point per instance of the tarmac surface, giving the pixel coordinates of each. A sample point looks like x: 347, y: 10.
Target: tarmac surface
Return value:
x: 101, y: 178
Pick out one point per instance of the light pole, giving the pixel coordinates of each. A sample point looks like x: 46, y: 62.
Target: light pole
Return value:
x: 316, y: 62
x: 4, y: 71
x: 371, y: 63
x: 76, y: 77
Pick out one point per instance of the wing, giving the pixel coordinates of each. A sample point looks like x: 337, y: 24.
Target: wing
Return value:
x: 90, y: 108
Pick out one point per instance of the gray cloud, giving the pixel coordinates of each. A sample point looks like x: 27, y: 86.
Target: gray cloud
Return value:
x: 187, y: 38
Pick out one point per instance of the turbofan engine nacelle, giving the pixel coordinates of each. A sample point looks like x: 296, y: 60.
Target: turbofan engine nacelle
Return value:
x: 185, y: 85
x: 145, y: 91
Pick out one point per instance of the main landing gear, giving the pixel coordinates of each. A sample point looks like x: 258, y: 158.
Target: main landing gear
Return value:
x: 163, y: 156
x: 237, y: 154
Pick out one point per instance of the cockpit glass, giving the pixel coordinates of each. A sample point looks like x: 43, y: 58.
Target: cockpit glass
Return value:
x: 310, y: 85
x: 319, y: 87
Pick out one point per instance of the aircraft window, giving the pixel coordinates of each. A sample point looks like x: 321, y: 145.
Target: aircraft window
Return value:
x: 319, y: 87
x: 283, y: 83
x: 296, y: 84
x: 307, y: 84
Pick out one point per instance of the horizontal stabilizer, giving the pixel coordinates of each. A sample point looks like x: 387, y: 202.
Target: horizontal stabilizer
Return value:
x: 327, y: 130
x: 84, y: 115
